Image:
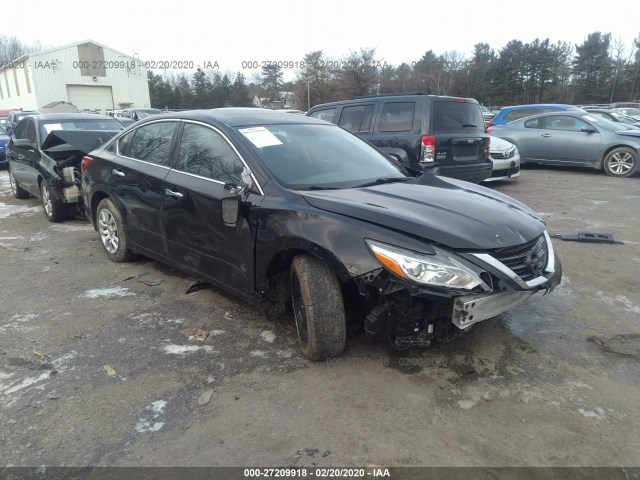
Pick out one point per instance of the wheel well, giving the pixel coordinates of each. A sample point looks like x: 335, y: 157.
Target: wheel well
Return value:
x: 609, y: 150
x: 95, y: 200
x: 277, y: 276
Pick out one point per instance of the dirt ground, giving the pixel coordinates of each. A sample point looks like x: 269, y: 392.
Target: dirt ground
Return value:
x: 101, y: 364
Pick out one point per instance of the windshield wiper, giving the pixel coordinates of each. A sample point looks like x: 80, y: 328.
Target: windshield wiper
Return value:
x: 319, y: 187
x: 381, y: 180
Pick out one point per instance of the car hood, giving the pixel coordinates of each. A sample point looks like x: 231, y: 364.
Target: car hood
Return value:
x: 84, y: 141
x: 499, y: 145
x: 450, y: 212
x: 633, y: 132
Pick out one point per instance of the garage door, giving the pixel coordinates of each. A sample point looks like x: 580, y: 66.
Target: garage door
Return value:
x: 89, y: 97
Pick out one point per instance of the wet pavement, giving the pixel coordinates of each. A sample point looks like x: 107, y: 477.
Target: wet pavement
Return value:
x: 116, y: 365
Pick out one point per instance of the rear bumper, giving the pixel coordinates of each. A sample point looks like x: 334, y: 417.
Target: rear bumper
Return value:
x: 474, y: 173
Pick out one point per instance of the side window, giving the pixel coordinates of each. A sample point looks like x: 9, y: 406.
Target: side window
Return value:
x: 356, y: 118
x: 565, y: 123
x: 30, y: 130
x: 326, y: 114
x: 21, y: 130
x: 124, y: 143
x: 397, y: 117
x: 533, y: 123
x: 152, y: 143
x: 205, y: 152
x: 520, y: 113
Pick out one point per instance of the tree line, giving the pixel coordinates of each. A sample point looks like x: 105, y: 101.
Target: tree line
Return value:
x: 600, y: 70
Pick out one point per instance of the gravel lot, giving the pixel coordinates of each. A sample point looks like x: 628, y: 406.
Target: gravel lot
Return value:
x: 101, y: 363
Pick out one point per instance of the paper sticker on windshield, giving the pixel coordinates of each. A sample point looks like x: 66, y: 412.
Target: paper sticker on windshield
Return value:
x: 260, y: 137
x: 588, y: 117
x: 50, y: 127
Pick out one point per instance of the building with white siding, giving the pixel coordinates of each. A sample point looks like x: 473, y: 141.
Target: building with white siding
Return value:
x: 85, y: 74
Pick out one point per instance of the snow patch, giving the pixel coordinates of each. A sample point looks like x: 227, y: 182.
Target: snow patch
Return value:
x: 108, y: 292
x: 268, y: 336
x: 258, y: 353
x: 145, y: 426
x: 598, y: 413
x: 26, y: 382
x: 185, y: 349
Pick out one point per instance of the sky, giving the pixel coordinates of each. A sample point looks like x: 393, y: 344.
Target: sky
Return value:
x: 234, y: 32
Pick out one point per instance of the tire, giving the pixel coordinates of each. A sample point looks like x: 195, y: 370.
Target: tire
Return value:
x: 112, y: 233
x: 318, y: 308
x: 18, y: 192
x: 54, y: 209
x: 621, y: 162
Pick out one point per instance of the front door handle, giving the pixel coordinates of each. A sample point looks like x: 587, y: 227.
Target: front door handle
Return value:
x: 546, y: 135
x: 173, y: 194
x: 117, y: 172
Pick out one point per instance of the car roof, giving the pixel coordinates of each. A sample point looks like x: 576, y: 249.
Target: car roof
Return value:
x: 72, y: 116
x: 241, y: 116
x: 395, y: 96
x: 564, y: 105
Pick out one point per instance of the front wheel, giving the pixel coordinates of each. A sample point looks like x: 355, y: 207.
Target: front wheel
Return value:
x: 621, y: 162
x: 112, y: 233
x: 318, y: 308
x: 54, y: 209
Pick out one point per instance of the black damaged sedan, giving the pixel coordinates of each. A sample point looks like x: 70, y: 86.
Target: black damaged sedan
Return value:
x: 288, y: 211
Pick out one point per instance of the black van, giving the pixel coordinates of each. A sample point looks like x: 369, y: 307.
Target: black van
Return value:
x: 419, y: 129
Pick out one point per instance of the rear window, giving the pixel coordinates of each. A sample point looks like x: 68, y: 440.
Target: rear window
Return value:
x: 457, y: 117
x: 48, y: 126
x: 397, y: 117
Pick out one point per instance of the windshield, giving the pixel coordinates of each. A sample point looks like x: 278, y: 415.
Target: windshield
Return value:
x: 302, y: 156
x: 604, y: 123
x: 48, y: 126
x: 629, y: 111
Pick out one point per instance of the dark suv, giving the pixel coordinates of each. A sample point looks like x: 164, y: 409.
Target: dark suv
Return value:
x: 422, y: 131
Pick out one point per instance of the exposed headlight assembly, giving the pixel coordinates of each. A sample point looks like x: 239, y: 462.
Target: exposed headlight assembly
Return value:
x: 439, y: 270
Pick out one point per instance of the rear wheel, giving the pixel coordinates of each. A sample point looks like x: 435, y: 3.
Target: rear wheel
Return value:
x: 54, y: 209
x: 17, y: 190
x: 112, y: 233
x: 318, y: 308
x: 621, y: 162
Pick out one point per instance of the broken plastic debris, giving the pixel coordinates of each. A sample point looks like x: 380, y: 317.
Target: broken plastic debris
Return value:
x: 201, y: 334
x: 586, y: 237
x: 196, y: 287
x: 205, y: 397
x: 110, y: 371
x: 39, y: 355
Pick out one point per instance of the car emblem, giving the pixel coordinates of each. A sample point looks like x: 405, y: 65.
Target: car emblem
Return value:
x: 531, y: 261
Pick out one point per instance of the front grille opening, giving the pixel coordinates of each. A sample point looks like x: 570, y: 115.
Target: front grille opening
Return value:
x: 528, y: 260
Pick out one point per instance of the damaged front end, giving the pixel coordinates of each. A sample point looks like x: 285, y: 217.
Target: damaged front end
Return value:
x: 416, y: 298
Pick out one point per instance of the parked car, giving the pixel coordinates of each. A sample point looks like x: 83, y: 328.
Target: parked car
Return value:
x: 139, y: 113
x: 629, y: 112
x: 14, y: 117
x: 285, y: 210
x: 44, y: 157
x: 625, y: 105
x: 4, y: 139
x: 574, y: 138
x: 505, y: 158
x: 4, y: 121
x: 510, y: 114
x: 422, y: 131
x: 615, y: 116
x: 486, y: 113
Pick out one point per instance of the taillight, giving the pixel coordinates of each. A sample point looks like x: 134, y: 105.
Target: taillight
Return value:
x: 86, y: 161
x: 489, y: 123
x: 428, y: 148
x: 460, y: 100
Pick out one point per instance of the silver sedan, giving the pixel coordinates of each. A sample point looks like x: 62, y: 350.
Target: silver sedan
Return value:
x: 573, y: 139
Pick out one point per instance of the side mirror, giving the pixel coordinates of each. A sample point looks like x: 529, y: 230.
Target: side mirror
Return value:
x: 588, y: 130
x: 22, y: 143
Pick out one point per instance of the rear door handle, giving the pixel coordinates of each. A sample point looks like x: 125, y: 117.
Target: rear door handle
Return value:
x: 173, y: 194
x: 545, y: 135
x: 117, y: 172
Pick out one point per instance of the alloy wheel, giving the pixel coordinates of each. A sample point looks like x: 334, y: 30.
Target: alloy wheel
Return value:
x: 108, y: 231
x: 46, y: 200
x: 621, y: 162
